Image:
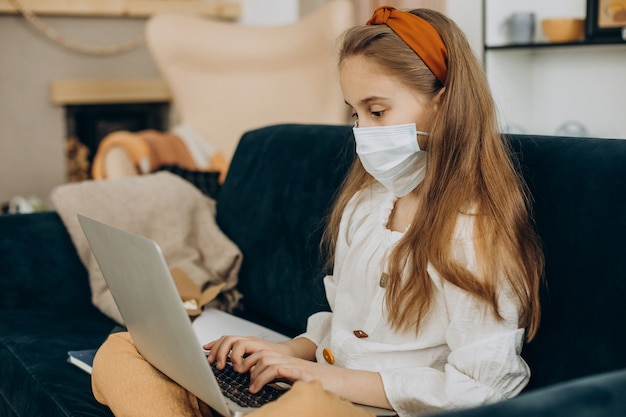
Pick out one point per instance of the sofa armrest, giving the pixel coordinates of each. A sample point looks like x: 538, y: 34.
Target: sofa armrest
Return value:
x: 600, y: 395
x: 39, y: 266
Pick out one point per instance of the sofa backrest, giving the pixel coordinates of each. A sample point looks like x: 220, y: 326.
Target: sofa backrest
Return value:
x: 281, y: 184
x: 279, y: 187
x: 579, y: 191
x: 40, y: 268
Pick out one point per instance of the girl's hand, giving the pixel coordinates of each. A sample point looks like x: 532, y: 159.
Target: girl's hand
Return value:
x: 266, y: 366
x: 293, y: 360
x: 239, y: 347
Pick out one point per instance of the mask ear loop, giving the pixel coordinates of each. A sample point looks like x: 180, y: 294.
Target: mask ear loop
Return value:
x: 356, y: 123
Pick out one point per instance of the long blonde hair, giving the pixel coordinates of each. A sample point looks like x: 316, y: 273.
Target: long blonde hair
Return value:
x: 469, y: 170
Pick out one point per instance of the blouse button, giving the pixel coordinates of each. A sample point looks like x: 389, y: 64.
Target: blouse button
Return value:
x: 328, y: 356
x: 384, y: 277
x: 360, y: 334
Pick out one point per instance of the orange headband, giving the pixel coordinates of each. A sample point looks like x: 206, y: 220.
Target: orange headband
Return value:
x: 418, y: 34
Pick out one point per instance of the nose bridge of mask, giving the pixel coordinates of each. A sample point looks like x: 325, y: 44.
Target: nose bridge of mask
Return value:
x: 374, y: 139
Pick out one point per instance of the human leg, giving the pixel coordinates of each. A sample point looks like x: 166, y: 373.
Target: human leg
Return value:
x: 309, y: 399
x: 124, y: 381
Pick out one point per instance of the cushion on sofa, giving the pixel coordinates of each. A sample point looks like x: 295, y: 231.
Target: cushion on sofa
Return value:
x: 36, y: 378
x: 45, y: 310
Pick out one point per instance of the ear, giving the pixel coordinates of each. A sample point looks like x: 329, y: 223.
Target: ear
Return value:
x: 438, y: 97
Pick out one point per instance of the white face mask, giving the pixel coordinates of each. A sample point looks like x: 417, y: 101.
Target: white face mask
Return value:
x: 392, y: 155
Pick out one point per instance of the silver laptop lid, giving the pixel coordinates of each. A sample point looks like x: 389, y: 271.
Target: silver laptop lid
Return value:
x: 142, y: 287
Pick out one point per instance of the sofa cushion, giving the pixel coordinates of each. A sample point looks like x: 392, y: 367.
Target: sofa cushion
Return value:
x: 45, y: 310
x: 36, y: 378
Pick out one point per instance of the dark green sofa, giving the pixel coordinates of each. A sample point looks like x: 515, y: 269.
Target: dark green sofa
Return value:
x: 280, y: 185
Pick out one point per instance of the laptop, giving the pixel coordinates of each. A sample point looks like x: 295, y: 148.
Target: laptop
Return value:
x: 143, y: 289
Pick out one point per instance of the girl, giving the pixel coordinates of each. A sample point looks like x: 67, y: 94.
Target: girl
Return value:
x: 436, y: 266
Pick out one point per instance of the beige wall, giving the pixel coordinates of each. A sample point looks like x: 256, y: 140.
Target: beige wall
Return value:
x: 32, y: 130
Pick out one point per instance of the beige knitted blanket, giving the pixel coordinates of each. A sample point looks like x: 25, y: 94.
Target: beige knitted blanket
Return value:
x: 163, y: 207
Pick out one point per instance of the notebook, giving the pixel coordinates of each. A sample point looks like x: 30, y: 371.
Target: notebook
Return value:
x: 143, y: 289
x: 82, y: 358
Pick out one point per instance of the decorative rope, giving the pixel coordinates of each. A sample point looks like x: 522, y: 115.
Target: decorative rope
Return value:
x: 73, y: 45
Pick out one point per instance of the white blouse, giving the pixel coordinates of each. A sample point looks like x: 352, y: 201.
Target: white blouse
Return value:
x: 463, y: 355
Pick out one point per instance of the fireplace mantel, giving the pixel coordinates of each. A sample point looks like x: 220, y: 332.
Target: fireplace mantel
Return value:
x: 106, y: 91
x: 124, y: 8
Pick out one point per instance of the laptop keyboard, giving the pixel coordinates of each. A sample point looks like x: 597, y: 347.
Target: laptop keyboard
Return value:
x: 235, y: 386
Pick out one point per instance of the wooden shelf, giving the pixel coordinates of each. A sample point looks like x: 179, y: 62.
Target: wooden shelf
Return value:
x: 556, y: 45
x: 109, y: 91
x: 125, y: 8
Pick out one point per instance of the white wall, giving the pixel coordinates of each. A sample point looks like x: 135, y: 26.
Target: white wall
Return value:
x: 539, y: 90
x: 468, y: 16
x: 269, y: 12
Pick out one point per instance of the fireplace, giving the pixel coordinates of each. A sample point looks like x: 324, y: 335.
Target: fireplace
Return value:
x: 95, y: 108
x: 87, y: 124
